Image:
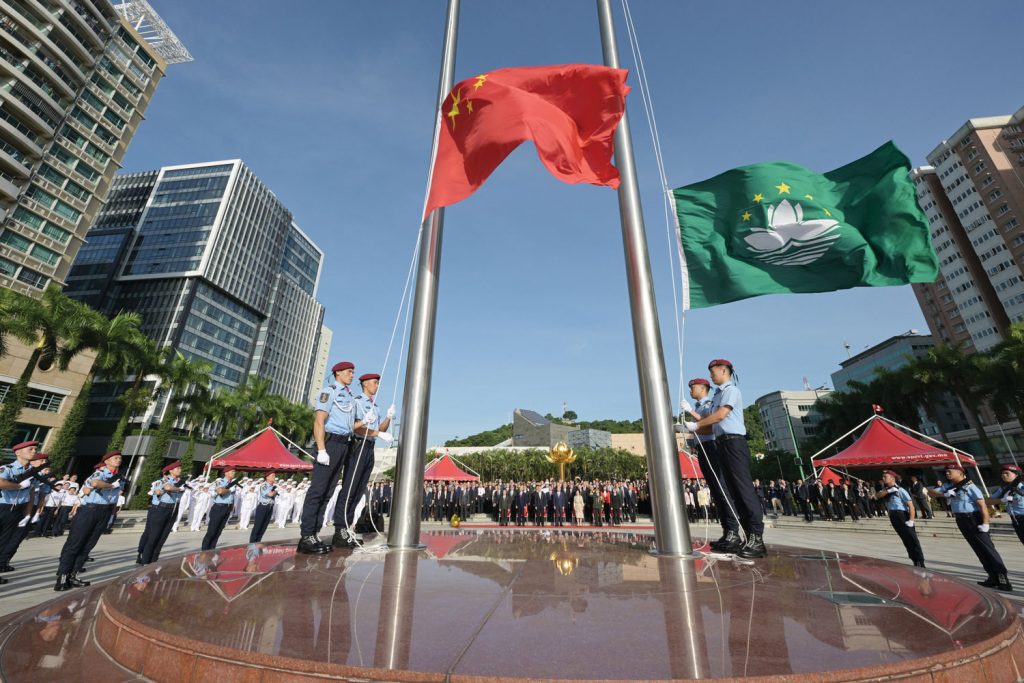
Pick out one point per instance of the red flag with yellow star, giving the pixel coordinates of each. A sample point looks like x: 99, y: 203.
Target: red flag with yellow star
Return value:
x: 570, y: 112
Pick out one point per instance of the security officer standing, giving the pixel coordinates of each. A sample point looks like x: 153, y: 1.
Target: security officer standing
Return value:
x: 368, y: 427
x: 700, y: 392
x: 264, y: 507
x: 901, y: 515
x: 967, y: 504
x: 99, y: 495
x: 726, y: 419
x: 165, y: 496
x: 332, y: 432
x: 220, y: 511
x: 1011, y: 494
x: 16, y: 480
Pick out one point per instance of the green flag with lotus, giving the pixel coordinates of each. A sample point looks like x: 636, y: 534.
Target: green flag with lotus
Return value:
x: 778, y: 228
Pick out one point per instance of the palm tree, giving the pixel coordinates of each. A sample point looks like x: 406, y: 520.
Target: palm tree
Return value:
x: 146, y: 361
x: 1003, y: 375
x: 115, y: 342
x: 185, y: 381
x: 11, y: 322
x: 51, y: 321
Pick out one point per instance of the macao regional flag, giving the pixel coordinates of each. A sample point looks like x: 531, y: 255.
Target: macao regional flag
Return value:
x: 778, y: 228
x: 569, y: 111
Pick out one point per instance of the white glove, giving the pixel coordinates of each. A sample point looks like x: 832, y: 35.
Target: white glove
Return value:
x: 910, y: 523
x: 951, y: 494
x: 1007, y: 500
x: 391, y: 411
x: 685, y: 406
x: 681, y: 429
x: 25, y: 484
x: 983, y: 528
x: 24, y: 522
x: 323, y: 458
x: 116, y: 484
x: 892, y: 489
x: 690, y: 426
x: 386, y: 438
x: 371, y: 416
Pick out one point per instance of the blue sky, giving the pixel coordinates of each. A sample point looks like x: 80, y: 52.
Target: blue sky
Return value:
x: 332, y: 103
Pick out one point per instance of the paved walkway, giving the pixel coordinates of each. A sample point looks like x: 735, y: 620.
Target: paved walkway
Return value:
x: 36, y: 561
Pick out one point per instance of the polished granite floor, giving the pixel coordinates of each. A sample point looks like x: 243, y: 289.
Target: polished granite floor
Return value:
x: 497, y: 603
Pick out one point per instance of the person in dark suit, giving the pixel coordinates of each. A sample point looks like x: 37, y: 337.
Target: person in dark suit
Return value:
x: 803, y: 499
x: 923, y: 502
x: 558, y: 503
x: 522, y: 505
x: 504, y: 507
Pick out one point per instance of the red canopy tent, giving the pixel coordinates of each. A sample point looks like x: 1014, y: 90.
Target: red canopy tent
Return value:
x: 263, y: 451
x: 829, y: 476
x: 689, y: 467
x: 883, y: 445
x: 445, y: 469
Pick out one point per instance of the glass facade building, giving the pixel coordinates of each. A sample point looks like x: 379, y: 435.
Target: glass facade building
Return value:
x: 218, y: 269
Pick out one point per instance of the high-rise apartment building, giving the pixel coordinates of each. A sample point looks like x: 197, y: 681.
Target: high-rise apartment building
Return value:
x: 216, y: 266
x: 77, y: 77
x: 973, y: 195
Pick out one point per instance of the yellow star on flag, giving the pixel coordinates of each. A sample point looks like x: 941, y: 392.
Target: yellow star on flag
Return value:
x: 469, y: 106
x: 746, y: 215
x: 807, y: 196
x: 783, y: 188
x: 479, y: 81
x: 454, y: 111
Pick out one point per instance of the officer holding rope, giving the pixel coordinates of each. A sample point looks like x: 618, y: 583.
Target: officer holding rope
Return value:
x: 332, y: 432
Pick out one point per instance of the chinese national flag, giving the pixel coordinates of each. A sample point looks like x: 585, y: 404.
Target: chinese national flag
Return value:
x: 569, y: 111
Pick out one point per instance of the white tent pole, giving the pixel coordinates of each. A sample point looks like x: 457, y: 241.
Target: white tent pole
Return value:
x: 301, y: 449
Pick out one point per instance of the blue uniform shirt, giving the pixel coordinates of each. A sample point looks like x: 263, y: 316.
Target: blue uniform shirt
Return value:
x: 703, y: 408
x: 963, y: 499
x: 338, y: 402
x: 898, y: 501
x: 728, y: 394
x: 368, y: 413
x: 13, y: 496
x: 228, y: 497
x: 159, y: 495
x: 264, y: 495
x: 96, y: 496
x: 1015, y: 493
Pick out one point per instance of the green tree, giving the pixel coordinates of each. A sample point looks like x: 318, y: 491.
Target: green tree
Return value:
x: 51, y: 321
x: 1002, y: 375
x: 115, y: 342
x: 146, y: 361
x: 491, y: 437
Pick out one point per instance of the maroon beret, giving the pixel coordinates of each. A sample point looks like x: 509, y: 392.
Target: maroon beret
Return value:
x: 720, y: 361
x: 368, y: 376
x: 699, y: 380
x: 955, y: 466
x: 1010, y: 468
x: 24, y: 444
x: 343, y: 365
x: 892, y: 472
x: 168, y: 468
x: 40, y: 456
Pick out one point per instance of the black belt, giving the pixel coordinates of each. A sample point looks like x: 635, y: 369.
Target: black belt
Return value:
x: 216, y: 504
x: 726, y: 437
x: 166, y: 505
x: 265, y: 503
x: 966, y: 514
x: 11, y: 506
x: 331, y: 435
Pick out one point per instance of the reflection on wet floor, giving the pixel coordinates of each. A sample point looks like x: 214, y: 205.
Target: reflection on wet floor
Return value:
x: 501, y: 602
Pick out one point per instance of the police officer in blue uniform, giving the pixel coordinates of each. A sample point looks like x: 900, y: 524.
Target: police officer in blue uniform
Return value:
x: 99, y: 495
x: 264, y: 507
x: 1011, y: 494
x: 967, y: 503
x: 900, y: 505
x: 16, y: 484
x: 369, y: 426
x: 700, y: 392
x: 220, y: 511
x: 332, y: 431
x: 726, y: 420
x: 165, y: 494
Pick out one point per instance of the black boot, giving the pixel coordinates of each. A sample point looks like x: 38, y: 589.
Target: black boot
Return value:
x: 342, y: 539
x: 730, y: 542
x: 919, y: 563
x: 310, y: 546
x: 1003, y: 583
x: 3, y: 581
x: 76, y: 582
x: 138, y: 559
x: 990, y: 582
x: 327, y: 547
x: 753, y: 548
x: 6, y: 568
x: 62, y: 583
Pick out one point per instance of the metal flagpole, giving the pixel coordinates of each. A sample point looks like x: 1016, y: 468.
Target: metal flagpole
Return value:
x: 672, y: 533
x: 404, y: 529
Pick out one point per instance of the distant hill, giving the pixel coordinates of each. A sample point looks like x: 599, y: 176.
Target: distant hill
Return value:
x: 493, y: 437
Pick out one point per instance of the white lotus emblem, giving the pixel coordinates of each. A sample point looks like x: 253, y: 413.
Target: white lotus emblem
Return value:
x: 789, y: 240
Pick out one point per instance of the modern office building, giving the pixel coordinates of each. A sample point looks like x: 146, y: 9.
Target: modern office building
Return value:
x: 530, y: 428
x: 590, y: 438
x: 77, y: 77
x: 318, y: 376
x: 218, y: 269
x: 789, y: 418
x: 973, y: 194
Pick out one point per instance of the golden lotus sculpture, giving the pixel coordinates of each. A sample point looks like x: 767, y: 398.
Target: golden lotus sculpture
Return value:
x: 561, y: 455
x: 565, y: 562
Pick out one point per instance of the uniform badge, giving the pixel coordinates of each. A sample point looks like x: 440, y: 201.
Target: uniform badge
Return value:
x: 324, y: 396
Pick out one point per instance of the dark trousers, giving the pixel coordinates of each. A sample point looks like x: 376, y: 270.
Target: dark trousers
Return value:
x: 924, y: 506
x: 358, y: 466
x: 62, y: 520
x: 980, y: 542
x: 707, y: 458
x: 76, y: 548
x: 805, y: 507
x: 46, y: 520
x: 8, y: 549
x: 1018, y: 526
x: 734, y: 457
x: 261, y: 521
x: 219, y: 514
x: 322, y: 486
x: 158, y: 527
x: 10, y: 515
x: 898, y: 519
x: 103, y: 515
